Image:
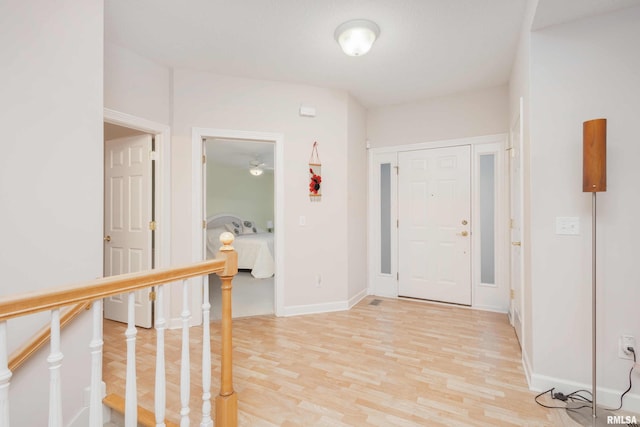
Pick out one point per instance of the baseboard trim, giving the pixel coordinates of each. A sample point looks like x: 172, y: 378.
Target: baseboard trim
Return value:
x: 607, y: 397
x: 526, y: 365
x: 357, y: 298
x: 297, y: 310
x: 81, y: 419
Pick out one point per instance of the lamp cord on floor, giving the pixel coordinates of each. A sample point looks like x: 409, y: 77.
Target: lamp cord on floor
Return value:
x: 576, y: 397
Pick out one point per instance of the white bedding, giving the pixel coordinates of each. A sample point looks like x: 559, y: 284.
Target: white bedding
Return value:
x: 255, y: 251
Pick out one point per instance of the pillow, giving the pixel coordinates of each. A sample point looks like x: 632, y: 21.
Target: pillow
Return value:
x: 234, y: 227
x: 248, y: 227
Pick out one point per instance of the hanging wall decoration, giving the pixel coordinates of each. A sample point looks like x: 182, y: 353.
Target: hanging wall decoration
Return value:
x: 315, y: 175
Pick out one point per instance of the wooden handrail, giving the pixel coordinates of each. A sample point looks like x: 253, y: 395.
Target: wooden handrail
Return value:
x: 81, y: 294
x: 20, y: 356
x: 33, y: 302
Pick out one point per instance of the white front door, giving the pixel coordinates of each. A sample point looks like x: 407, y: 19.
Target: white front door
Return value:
x: 515, y: 184
x: 127, y: 219
x: 434, y: 249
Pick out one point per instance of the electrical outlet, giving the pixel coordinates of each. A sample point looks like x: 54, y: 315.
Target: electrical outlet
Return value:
x: 623, y: 342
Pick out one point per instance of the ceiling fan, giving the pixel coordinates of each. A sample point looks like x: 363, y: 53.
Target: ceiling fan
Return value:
x: 256, y: 167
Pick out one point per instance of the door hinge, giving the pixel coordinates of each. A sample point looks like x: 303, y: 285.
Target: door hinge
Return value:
x: 511, y: 223
x: 397, y: 223
x: 152, y: 225
x: 513, y: 294
x: 397, y: 168
x: 397, y: 276
x: 204, y: 224
x: 152, y: 296
x: 153, y: 155
x: 204, y: 159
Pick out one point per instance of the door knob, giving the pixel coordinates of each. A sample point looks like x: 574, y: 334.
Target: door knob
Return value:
x: 464, y: 233
x: 516, y: 243
x: 107, y: 239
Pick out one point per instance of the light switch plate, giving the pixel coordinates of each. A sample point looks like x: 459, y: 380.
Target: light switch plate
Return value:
x: 567, y: 225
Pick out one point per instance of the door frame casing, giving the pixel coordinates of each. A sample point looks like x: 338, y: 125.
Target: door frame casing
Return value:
x: 162, y: 134
x: 162, y: 205
x: 517, y: 284
x: 198, y: 206
x: 480, y: 296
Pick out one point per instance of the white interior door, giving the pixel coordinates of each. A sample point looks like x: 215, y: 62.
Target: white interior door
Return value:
x: 434, y: 247
x: 515, y: 184
x: 127, y: 221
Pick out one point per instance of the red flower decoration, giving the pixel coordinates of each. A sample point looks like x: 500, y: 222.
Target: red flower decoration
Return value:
x: 314, y: 184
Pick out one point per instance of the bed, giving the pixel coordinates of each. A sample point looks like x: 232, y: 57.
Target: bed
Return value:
x: 254, y: 247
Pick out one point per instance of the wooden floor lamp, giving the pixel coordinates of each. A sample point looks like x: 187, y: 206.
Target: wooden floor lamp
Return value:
x: 594, y: 180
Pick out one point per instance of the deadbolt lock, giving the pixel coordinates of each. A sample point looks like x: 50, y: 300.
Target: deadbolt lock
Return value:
x: 464, y: 222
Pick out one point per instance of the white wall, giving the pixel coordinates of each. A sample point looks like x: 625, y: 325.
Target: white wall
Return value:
x: 483, y: 112
x: 136, y: 85
x: 321, y: 246
x: 50, y: 176
x: 580, y: 71
x: 356, y: 199
x: 231, y: 189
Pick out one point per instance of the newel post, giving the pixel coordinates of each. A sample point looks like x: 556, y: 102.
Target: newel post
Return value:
x: 227, y: 400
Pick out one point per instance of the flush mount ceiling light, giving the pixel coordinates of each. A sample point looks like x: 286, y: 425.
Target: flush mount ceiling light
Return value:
x: 357, y: 36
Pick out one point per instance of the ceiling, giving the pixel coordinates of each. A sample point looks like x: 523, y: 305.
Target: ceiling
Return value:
x: 426, y: 48
x: 553, y: 12
x: 239, y: 153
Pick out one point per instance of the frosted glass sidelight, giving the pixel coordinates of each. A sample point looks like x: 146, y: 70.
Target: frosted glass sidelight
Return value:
x: 385, y: 218
x: 487, y: 219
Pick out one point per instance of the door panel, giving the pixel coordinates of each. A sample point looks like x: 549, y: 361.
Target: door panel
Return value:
x: 434, y: 233
x: 128, y: 212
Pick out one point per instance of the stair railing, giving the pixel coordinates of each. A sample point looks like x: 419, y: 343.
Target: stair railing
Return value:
x: 225, y: 265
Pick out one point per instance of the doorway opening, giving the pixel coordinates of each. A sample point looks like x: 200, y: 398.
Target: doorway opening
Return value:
x: 239, y: 196
x: 270, y: 220
x: 136, y: 207
x: 436, y: 221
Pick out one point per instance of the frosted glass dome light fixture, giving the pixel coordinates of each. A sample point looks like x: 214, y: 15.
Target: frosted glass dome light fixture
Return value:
x: 256, y: 171
x: 357, y: 36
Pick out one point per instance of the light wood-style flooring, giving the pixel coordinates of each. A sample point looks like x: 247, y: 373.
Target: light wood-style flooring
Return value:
x: 398, y: 363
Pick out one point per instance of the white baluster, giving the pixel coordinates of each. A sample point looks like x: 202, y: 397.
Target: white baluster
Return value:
x: 185, y: 382
x: 160, y: 366
x: 206, y: 360
x: 95, y: 404
x: 130, y: 396
x: 55, y: 363
x: 5, y: 377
